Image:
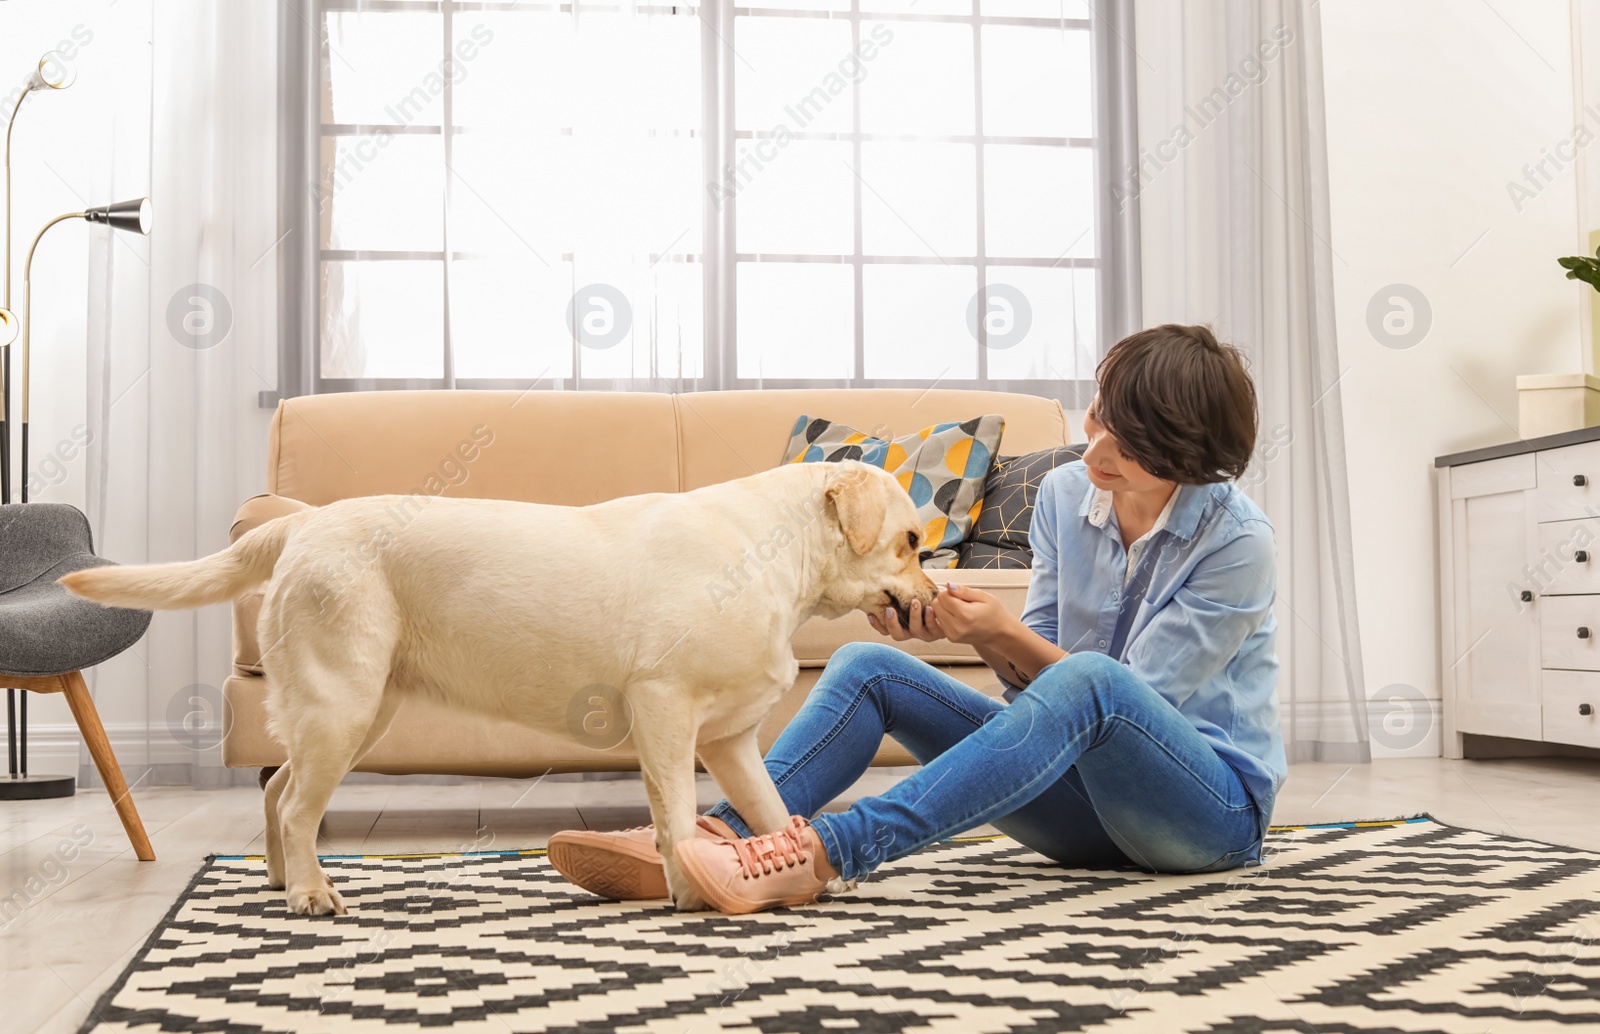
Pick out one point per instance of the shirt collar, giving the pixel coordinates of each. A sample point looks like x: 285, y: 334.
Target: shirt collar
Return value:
x: 1181, y: 515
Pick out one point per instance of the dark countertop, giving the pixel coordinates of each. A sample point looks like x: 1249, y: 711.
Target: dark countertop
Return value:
x: 1517, y: 448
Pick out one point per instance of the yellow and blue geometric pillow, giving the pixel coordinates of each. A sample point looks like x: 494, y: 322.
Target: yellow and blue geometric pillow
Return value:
x: 943, y: 468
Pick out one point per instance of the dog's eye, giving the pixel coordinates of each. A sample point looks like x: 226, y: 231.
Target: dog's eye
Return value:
x: 911, y: 537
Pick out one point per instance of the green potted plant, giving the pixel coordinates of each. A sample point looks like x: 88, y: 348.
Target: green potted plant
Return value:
x: 1549, y: 403
x: 1582, y: 267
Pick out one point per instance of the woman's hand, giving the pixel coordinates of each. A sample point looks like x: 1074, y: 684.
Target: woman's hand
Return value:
x: 924, y: 625
x: 968, y: 615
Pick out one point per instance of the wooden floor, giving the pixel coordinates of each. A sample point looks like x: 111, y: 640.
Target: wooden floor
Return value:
x: 81, y: 921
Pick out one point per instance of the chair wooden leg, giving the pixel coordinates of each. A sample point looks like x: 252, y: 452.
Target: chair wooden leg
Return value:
x: 94, y: 736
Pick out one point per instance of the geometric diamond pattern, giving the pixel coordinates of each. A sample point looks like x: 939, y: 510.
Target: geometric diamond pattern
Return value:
x: 999, y: 537
x: 1408, y: 926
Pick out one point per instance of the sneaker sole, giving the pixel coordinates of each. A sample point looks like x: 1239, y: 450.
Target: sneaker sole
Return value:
x: 609, y: 873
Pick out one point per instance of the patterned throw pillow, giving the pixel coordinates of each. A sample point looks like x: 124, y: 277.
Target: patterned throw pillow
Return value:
x: 942, y: 467
x: 999, y: 538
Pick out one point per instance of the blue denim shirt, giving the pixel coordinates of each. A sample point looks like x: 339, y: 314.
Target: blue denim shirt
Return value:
x: 1193, y: 618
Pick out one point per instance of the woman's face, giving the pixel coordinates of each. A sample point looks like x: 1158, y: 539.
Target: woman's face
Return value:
x: 1109, y: 467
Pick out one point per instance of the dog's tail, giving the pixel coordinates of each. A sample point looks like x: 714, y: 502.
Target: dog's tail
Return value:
x: 214, y: 579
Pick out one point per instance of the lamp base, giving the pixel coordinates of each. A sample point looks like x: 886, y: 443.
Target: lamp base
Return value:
x: 36, y: 788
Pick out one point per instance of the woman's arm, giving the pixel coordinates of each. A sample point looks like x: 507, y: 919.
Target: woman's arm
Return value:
x: 1017, y: 653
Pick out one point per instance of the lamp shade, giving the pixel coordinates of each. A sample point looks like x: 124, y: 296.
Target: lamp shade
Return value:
x: 124, y: 215
x: 9, y: 325
x: 52, y: 73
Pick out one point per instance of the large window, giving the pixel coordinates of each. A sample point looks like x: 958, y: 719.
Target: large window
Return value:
x: 799, y: 192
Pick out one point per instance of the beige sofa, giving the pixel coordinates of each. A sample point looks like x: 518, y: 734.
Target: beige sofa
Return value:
x: 574, y: 448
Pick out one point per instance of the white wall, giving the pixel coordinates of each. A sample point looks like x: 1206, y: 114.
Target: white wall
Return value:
x: 1433, y: 108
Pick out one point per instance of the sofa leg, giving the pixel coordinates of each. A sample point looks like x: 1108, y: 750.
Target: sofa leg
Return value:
x: 266, y: 774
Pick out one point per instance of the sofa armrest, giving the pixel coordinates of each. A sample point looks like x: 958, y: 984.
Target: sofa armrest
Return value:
x: 259, y: 509
x: 256, y: 511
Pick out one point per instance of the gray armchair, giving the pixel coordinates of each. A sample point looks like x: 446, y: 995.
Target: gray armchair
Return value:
x: 49, y: 636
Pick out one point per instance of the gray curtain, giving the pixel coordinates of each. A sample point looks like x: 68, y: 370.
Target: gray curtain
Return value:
x: 1232, y: 183
x: 1116, y: 131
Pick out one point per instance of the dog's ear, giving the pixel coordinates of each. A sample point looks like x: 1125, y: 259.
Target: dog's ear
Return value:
x: 859, y: 505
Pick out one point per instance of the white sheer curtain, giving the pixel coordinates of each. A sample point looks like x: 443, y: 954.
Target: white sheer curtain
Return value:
x: 1233, y: 187
x: 179, y: 350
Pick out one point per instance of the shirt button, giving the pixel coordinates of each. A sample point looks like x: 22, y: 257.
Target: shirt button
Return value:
x: 1102, y: 642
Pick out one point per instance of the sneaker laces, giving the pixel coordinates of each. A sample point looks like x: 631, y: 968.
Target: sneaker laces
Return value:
x: 769, y: 852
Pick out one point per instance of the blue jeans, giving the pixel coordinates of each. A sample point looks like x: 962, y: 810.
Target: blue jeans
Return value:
x: 1089, y: 766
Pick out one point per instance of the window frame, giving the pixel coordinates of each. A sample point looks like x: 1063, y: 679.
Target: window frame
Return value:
x: 302, y: 137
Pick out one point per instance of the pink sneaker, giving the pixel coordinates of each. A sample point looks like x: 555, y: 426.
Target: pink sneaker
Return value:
x: 756, y: 873
x: 622, y: 865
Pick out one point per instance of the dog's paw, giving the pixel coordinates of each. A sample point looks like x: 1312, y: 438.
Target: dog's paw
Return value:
x: 318, y: 901
x: 680, y: 889
x: 684, y: 895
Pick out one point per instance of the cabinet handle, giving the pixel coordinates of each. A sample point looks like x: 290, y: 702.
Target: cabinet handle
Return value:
x: 1579, y: 480
x: 1583, y: 631
x: 1585, y: 710
x: 1527, y: 596
x: 1581, y: 556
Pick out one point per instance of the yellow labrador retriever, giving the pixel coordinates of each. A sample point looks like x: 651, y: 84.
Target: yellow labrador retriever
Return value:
x: 681, y: 603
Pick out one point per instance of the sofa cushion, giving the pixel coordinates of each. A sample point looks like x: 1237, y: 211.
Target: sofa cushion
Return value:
x: 942, y: 467
x: 428, y: 737
x: 536, y: 446
x: 999, y: 537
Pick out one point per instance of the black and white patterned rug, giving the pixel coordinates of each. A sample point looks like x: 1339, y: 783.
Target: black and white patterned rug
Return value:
x: 1407, y: 926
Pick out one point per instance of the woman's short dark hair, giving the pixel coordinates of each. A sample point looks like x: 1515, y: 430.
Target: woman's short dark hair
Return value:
x: 1180, y: 403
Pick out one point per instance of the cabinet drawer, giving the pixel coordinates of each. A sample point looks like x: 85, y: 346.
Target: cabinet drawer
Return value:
x: 1569, y: 632
x: 1566, y: 693
x: 1558, y: 497
x: 1567, y: 559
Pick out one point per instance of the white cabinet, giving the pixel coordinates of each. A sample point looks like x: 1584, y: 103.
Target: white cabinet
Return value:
x: 1520, y: 596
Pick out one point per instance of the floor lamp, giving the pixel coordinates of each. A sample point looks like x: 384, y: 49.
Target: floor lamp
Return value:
x: 131, y: 216
x: 53, y: 72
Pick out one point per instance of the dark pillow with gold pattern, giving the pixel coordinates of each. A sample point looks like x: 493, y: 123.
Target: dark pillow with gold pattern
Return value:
x: 999, y: 538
